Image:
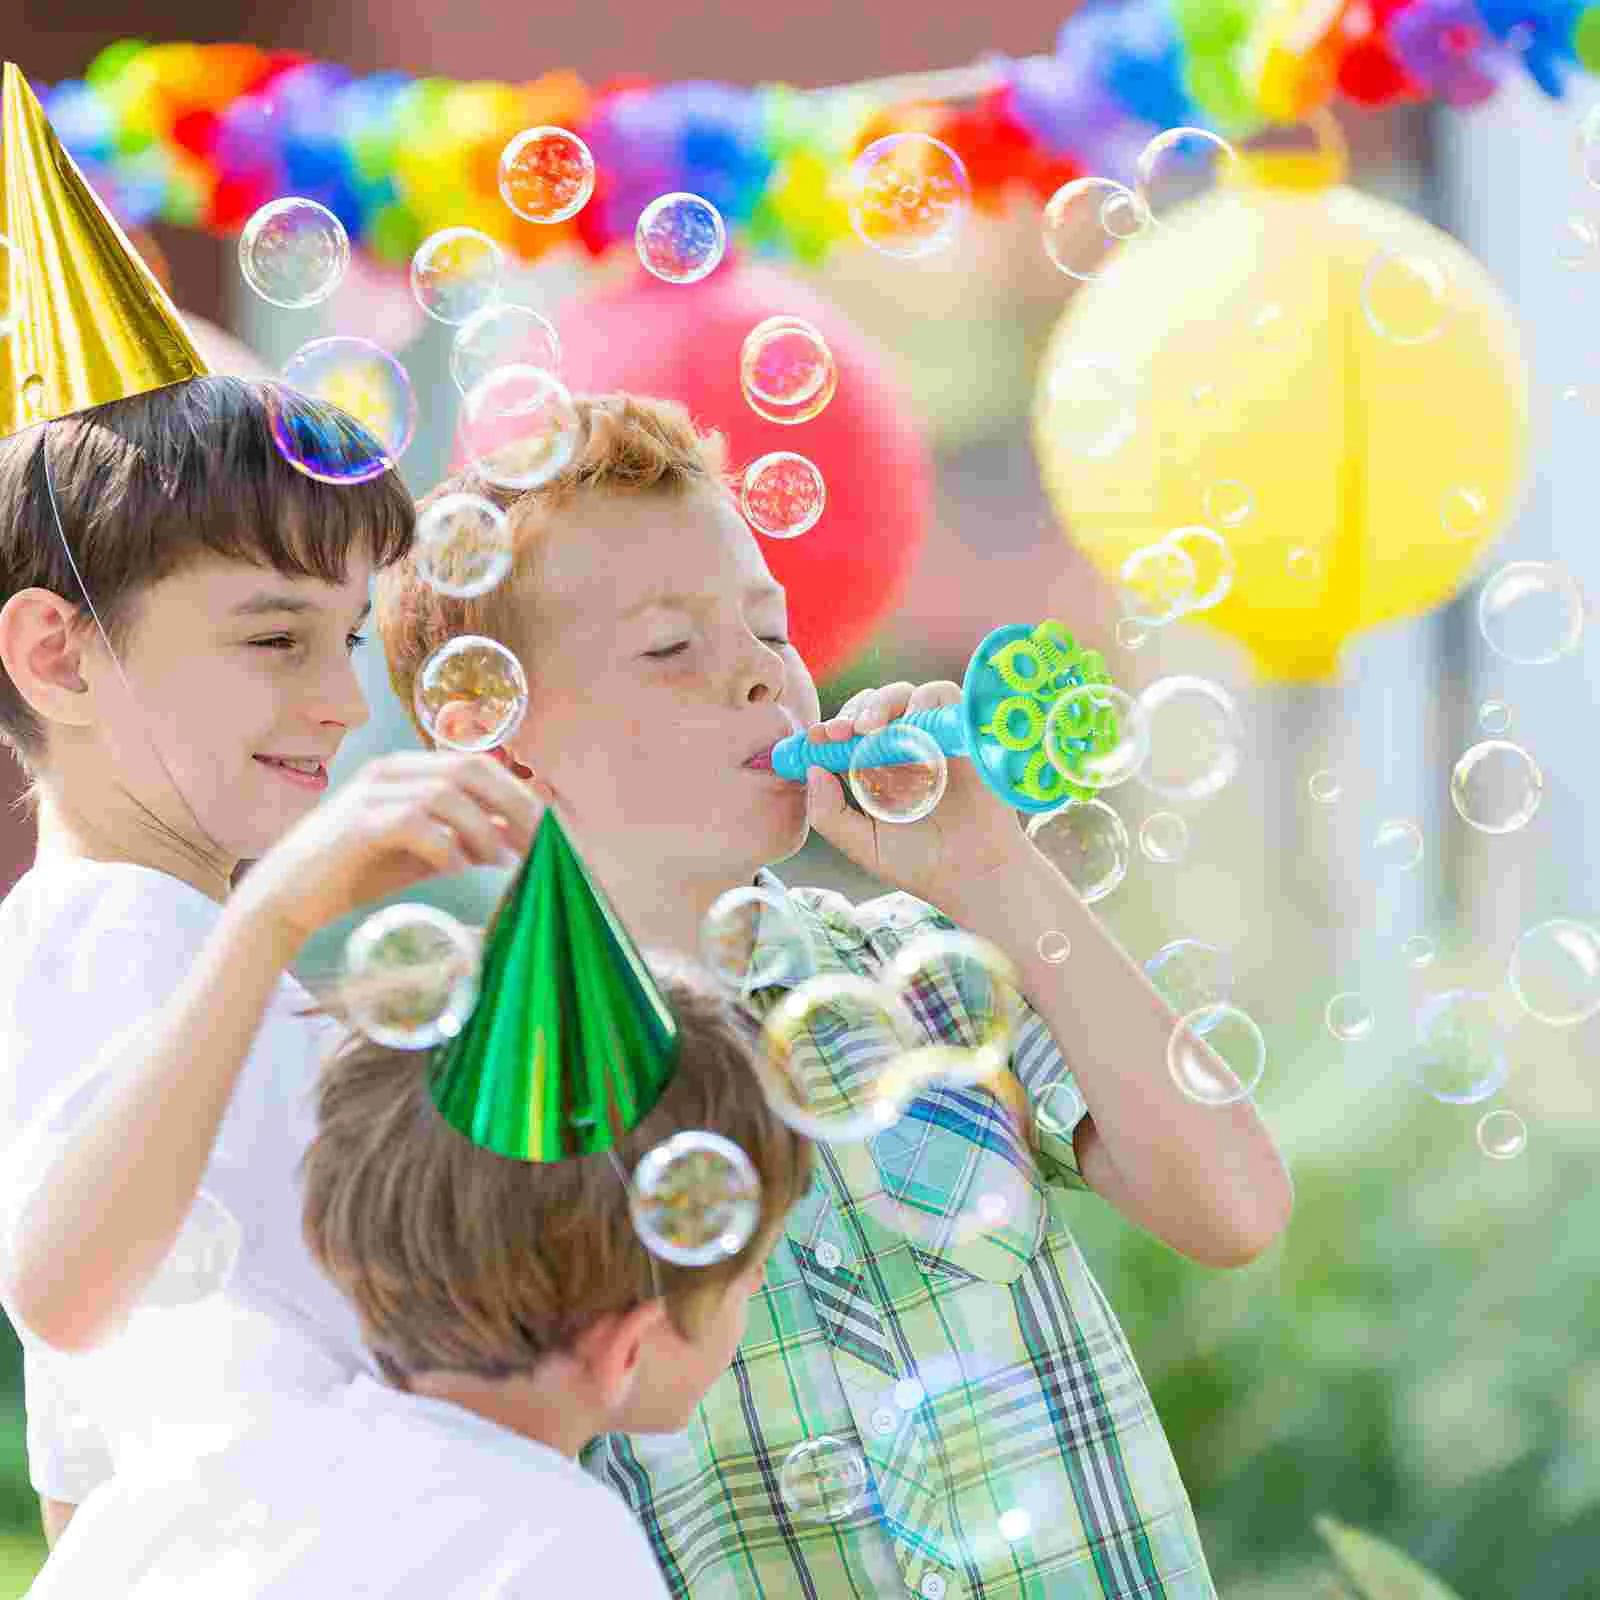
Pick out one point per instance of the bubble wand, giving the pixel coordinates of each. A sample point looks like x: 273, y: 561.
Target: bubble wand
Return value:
x: 1014, y: 680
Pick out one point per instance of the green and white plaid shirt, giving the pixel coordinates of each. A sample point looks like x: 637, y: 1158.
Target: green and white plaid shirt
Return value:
x: 1011, y: 1444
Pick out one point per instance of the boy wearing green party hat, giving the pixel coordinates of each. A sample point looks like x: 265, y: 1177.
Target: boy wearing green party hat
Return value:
x: 986, y: 1429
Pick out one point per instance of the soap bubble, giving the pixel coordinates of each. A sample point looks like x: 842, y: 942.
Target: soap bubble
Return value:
x: 782, y: 495
x: 1054, y: 946
x: 990, y: 993
x: 1269, y: 324
x: 937, y: 1224
x: 33, y: 393
x: 1459, y: 1053
x: 1531, y: 612
x: 749, y: 939
x: 1086, y: 843
x: 680, y: 237
x: 1059, y: 1109
x: 1578, y: 244
x: 1418, y: 951
x: 1131, y: 633
x: 1178, y: 165
x: 412, y: 972
x: 1494, y: 716
x: 908, y: 195
x: 1192, y: 977
x: 1157, y: 582
x: 1230, y: 1035
x: 502, y: 336
x: 786, y: 370
x: 373, y: 391
x: 1164, y: 837
x: 1091, y: 409
x: 816, y: 1091
x: 294, y: 253
x: 202, y: 1260
x: 471, y: 694
x: 1349, y: 1017
x: 456, y: 273
x: 1325, y: 786
x: 1084, y: 222
x: 695, y: 1199
x: 1555, y: 972
x: 1304, y: 565
x: 463, y: 545
x: 1464, y: 513
x: 1396, y: 845
x: 1502, y: 1135
x: 546, y: 174
x: 1096, y: 735
x: 898, y: 774
x: 824, y: 1480
x: 520, y: 427
x: 1229, y: 503
x: 1403, y: 296
x: 1496, y: 787
x: 1213, y: 564
x: 1194, y: 736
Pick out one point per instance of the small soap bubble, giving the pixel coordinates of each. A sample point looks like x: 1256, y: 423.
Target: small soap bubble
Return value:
x: 374, y: 419
x: 1496, y: 787
x: 33, y: 393
x: 1502, y: 1135
x: 750, y: 939
x: 1090, y: 409
x: 1404, y: 296
x: 954, y: 962
x: 1494, y: 716
x: 1194, y: 736
x: 1157, y: 583
x: 471, y: 694
x: 1555, y: 972
x: 1086, y: 842
x: 797, y: 1065
x: 1164, y: 837
x: 695, y: 1199
x: 412, y: 972
x: 1054, y: 947
x: 1303, y: 565
x: 546, y: 175
x: 680, y: 237
x: 909, y: 1394
x: 1084, y: 221
x: 294, y: 253
x: 1396, y: 845
x: 1464, y: 513
x: 782, y: 495
x: 457, y: 273
x: 898, y: 774
x: 1531, y: 612
x: 1131, y: 633
x: 1229, y: 503
x: 1213, y: 565
x: 786, y: 370
x: 202, y: 1260
x: 1229, y: 1035
x: 1270, y: 324
x: 1418, y: 951
x: 1349, y: 1017
x: 463, y: 545
x: 502, y: 336
x: 1325, y: 786
x: 1459, y: 1053
x: 520, y: 427
x: 1015, y: 1524
x: 908, y: 195
x: 1179, y: 165
x: 1191, y: 976
x: 824, y: 1480
x: 1059, y: 1109
x: 1578, y: 244
x: 1095, y: 735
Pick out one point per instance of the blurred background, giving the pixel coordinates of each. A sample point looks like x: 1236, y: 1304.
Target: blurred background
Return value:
x: 1421, y: 1354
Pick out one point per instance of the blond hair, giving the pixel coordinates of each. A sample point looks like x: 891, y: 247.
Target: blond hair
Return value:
x: 460, y: 1260
x: 631, y: 446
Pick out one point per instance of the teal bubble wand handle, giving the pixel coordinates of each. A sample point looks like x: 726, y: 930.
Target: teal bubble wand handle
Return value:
x: 885, y: 748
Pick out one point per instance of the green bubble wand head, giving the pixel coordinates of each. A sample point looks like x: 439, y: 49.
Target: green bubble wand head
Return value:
x: 1013, y: 682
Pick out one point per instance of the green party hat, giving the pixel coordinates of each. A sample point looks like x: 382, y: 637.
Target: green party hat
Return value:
x: 571, y: 1042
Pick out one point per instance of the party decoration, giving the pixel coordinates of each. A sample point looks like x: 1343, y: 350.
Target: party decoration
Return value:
x: 572, y: 1043
x: 1337, y: 431
x: 90, y: 321
x: 679, y: 343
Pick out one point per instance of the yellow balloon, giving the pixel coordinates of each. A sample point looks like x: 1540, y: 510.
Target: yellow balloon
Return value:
x: 1328, y: 382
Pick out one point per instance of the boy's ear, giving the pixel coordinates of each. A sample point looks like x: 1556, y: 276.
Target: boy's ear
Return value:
x: 40, y: 651
x: 610, y: 1348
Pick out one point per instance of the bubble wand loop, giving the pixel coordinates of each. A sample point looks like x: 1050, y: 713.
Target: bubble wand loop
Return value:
x: 1015, y: 678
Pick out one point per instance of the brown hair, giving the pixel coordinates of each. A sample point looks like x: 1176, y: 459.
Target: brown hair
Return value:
x: 632, y: 445
x: 460, y: 1260
x: 146, y: 485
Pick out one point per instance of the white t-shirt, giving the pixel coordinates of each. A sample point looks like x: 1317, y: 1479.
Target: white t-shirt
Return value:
x: 369, y: 1492
x: 89, y: 953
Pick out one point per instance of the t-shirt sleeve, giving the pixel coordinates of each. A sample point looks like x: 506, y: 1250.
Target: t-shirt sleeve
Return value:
x: 68, y: 1457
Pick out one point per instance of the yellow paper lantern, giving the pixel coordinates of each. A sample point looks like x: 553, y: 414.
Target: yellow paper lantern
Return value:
x: 1336, y: 367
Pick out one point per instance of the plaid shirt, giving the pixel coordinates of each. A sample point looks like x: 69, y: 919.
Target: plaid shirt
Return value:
x: 1011, y: 1444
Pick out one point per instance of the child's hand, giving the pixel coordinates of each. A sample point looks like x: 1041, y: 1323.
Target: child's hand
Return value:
x: 401, y: 819
x: 968, y: 835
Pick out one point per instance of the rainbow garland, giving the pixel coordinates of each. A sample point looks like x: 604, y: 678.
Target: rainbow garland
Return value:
x: 201, y: 135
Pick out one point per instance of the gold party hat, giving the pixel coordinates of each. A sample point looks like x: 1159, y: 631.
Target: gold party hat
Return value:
x: 91, y: 323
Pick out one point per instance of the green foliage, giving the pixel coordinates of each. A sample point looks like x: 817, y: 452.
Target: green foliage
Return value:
x: 1377, y: 1570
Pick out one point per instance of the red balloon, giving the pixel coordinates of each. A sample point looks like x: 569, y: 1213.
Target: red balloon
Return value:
x: 682, y: 342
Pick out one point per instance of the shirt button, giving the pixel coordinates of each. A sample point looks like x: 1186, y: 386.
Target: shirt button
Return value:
x: 883, y: 1421
x: 829, y: 1257
x: 933, y: 1587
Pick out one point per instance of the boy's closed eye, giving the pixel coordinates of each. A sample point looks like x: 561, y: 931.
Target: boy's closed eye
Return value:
x: 352, y: 641
x: 776, y: 641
